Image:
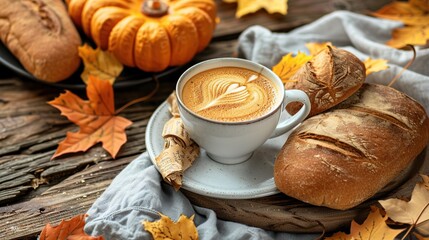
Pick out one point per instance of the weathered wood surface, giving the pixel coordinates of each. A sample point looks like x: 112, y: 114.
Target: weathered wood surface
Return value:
x: 35, y: 190
x: 299, y: 12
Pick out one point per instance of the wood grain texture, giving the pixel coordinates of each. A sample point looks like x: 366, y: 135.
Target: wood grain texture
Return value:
x: 35, y: 190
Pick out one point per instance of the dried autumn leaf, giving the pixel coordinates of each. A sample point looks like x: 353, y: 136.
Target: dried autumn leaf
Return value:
x: 425, y: 181
x: 420, y: 237
x: 375, y: 65
x: 289, y: 65
x: 250, y: 6
x: 96, y: 119
x: 67, y: 229
x: 315, y: 47
x: 165, y: 228
x: 374, y: 227
x: 415, y: 212
x: 98, y: 63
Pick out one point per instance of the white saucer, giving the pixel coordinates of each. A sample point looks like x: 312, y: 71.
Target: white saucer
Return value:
x: 250, y: 179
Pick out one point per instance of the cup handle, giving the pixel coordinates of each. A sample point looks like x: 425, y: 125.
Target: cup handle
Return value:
x: 286, y: 125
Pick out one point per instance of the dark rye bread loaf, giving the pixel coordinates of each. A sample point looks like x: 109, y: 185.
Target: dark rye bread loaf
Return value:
x: 329, y: 78
x: 42, y: 37
x: 344, y: 156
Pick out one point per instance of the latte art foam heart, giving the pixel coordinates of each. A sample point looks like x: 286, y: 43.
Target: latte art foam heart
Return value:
x: 230, y: 94
x: 223, y: 92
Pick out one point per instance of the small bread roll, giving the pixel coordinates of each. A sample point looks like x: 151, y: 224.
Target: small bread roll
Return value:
x: 329, y: 78
x: 42, y: 37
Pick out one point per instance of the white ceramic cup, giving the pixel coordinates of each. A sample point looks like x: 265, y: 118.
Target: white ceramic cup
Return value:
x: 234, y: 142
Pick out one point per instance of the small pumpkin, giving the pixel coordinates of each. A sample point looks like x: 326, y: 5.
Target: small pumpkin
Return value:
x: 149, y: 34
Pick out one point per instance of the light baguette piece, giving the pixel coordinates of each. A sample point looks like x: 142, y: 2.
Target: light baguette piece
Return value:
x: 344, y: 156
x: 329, y: 78
x: 41, y: 35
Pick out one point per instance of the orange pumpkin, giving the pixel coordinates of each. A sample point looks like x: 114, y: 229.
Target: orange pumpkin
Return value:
x: 151, y: 35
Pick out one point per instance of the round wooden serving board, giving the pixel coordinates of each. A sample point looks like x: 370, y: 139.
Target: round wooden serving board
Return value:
x: 282, y: 213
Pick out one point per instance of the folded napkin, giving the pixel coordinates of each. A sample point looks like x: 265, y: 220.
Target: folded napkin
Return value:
x: 138, y: 192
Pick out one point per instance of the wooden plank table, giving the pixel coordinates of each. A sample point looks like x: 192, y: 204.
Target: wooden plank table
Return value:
x: 35, y: 190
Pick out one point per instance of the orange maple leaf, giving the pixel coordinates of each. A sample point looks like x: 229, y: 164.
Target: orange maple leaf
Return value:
x: 422, y: 4
x: 397, y: 10
x: 96, y: 119
x: 68, y: 229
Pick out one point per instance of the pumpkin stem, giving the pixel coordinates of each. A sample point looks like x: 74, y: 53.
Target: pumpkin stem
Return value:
x: 155, y: 4
x: 154, y: 8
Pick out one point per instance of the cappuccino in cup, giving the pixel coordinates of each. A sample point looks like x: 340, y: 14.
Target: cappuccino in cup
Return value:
x: 230, y: 94
x: 231, y: 106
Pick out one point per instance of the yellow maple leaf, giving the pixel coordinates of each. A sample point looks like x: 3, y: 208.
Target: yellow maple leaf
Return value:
x: 375, y: 65
x: 98, y: 63
x: 245, y: 7
x: 165, y: 228
x: 414, y: 15
x: 414, y: 212
x: 316, y: 47
x: 289, y: 65
x: 417, y: 35
x: 374, y: 227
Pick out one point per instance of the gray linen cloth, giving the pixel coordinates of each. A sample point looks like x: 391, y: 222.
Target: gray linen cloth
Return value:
x: 138, y: 192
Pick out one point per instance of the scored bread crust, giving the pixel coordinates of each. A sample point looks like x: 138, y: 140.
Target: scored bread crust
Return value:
x: 329, y: 78
x: 41, y: 35
x: 343, y: 157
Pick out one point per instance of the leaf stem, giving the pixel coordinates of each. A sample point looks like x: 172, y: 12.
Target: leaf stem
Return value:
x: 421, y: 213
x: 417, y: 220
x: 142, y: 99
x: 408, y: 231
x: 405, y: 67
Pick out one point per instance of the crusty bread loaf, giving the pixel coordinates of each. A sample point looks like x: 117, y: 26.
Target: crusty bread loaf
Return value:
x: 329, y: 78
x: 41, y: 36
x: 344, y: 156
